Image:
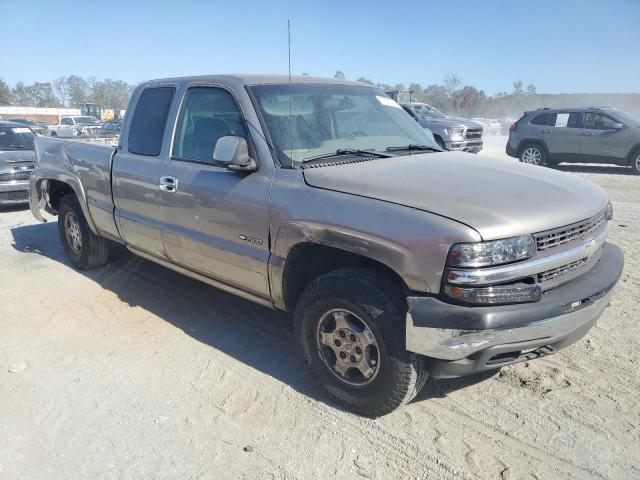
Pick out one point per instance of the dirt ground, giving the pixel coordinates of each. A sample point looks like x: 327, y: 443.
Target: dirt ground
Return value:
x: 132, y: 371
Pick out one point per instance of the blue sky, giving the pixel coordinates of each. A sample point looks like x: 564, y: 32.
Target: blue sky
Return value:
x: 559, y: 46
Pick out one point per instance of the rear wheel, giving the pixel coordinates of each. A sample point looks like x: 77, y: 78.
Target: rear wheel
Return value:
x: 635, y: 163
x: 533, y: 154
x: 83, y: 248
x: 350, y: 332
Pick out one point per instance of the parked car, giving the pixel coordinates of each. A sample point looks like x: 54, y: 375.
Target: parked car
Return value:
x: 17, y: 161
x: 490, y: 126
x: 595, y: 135
x: 111, y: 127
x: 34, y: 126
x: 323, y: 198
x: 451, y: 133
x: 75, y: 126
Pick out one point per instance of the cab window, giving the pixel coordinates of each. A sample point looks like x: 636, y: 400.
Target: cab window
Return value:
x: 207, y: 114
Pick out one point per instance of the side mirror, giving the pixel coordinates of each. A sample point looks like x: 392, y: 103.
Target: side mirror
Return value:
x: 233, y: 153
x: 619, y: 126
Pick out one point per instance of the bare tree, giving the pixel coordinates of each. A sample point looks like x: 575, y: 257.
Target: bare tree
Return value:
x: 60, y: 88
x: 517, y: 87
x: 339, y: 75
x: 452, y: 83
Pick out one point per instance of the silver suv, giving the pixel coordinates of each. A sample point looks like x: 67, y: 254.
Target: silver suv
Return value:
x: 549, y: 136
x: 451, y: 133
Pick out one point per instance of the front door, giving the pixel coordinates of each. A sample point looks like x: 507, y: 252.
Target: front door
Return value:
x: 136, y: 170
x: 601, y: 138
x: 217, y: 220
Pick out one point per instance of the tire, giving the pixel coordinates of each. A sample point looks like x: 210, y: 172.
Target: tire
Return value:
x: 635, y: 162
x: 54, y: 134
x: 440, y: 143
x: 83, y: 248
x: 375, y: 317
x: 534, y: 154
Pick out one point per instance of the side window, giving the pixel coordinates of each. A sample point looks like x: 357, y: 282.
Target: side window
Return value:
x: 575, y: 120
x: 598, y: 121
x: 66, y: 121
x: 207, y: 114
x: 149, y: 120
x: 542, y: 119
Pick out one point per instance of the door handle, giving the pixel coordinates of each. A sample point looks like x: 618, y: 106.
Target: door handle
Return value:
x: 588, y: 134
x: 545, y: 131
x: 169, y: 184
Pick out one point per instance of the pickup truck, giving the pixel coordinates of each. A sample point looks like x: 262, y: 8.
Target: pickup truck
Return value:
x: 75, y: 126
x: 324, y: 198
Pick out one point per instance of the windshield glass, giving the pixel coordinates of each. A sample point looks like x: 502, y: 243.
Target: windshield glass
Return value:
x: 319, y: 119
x: 16, y: 138
x: 87, y: 120
x: 427, y: 112
x: 627, y: 119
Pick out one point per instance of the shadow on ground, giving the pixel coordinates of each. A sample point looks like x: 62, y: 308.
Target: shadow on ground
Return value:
x: 593, y: 168
x: 257, y: 336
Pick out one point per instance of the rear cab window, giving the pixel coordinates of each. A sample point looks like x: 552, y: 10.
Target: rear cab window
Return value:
x: 149, y: 120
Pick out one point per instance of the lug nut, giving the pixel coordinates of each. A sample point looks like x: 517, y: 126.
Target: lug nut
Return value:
x: 358, y: 350
x: 343, y: 355
x: 352, y: 358
x: 337, y: 342
x: 342, y: 334
x: 352, y: 337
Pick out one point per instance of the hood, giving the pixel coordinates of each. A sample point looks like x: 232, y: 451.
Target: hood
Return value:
x: 498, y: 198
x: 450, y: 122
x: 14, y: 159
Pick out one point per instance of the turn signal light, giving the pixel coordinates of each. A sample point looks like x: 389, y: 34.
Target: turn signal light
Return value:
x: 497, y: 295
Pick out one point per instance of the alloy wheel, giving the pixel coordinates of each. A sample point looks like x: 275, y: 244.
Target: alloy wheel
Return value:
x: 532, y: 155
x: 73, y: 233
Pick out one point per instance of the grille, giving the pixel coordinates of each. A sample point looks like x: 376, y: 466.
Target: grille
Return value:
x: 563, y: 270
x: 472, y: 133
x: 559, y: 236
x: 14, y: 176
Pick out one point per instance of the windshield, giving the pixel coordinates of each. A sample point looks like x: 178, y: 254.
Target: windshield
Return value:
x: 320, y: 119
x: 627, y: 119
x: 23, y: 121
x: 87, y: 120
x: 16, y: 138
x: 427, y: 112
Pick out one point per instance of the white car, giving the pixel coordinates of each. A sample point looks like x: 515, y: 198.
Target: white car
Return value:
x: 75, y: 126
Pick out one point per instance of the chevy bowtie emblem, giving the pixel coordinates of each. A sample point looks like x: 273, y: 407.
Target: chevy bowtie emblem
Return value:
x: 591, y: 247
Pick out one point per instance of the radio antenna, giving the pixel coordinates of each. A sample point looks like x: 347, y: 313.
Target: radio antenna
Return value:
x: 290, y: 123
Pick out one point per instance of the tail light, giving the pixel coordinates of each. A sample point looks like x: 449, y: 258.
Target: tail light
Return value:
x: 514, y: 126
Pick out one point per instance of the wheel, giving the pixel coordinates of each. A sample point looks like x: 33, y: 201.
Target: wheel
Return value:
x: 54, y: 134
x: 440, y: 143
x: 83, y: 248
x: 350, y: 332
x: 533, y: 154
x: 635, y: 163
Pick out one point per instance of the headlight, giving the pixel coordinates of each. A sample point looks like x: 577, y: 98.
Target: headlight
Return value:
x: 455, y: 132
x: 609, y: 211
x: 495, y: 252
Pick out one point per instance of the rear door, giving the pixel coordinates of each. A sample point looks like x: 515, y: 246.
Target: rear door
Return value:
x: 136, y: 170
x: 560, y: 131
x: 600, y: 138
x: 217, y: 220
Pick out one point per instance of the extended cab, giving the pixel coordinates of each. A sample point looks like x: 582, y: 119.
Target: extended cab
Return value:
x: 75, y: 126
x: 322, y: 197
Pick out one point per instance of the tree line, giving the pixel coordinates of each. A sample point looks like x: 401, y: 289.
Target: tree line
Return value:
x: 71, y: 91
x: 453, y: 96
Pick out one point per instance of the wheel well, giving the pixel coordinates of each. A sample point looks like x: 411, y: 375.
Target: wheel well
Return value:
x: 308, y: 261
x: 525, y: 143
x: 57, y: 190
x: 632, y: 154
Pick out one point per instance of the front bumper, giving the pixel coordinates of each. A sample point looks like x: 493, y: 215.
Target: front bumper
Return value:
x: 12, y: 193
x: 460, y: 340
x: 470, y: 146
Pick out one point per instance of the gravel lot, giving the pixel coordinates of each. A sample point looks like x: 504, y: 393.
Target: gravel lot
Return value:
x: 133, y: 371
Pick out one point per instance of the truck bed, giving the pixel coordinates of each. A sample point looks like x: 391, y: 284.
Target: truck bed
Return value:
x: 88, y: 166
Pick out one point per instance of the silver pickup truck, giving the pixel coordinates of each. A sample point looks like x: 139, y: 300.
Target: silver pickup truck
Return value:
x: 323, y: 198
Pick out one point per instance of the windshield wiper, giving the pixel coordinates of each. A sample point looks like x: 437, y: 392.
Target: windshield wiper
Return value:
x: 414, y: 146
x: 348, y: 151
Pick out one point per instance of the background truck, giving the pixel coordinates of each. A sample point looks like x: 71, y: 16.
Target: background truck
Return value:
x: 322, y: 197
x: 451, y: 133
x: 75, y: 126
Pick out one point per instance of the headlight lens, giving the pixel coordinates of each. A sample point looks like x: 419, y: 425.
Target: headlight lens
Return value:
x: 455, y: 132
x: 609, y: 211
x: 495, y: 252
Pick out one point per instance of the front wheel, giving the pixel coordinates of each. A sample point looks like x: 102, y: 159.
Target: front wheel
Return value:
x: 83, y: 248
x: 350, y: 332
x: 534, y: 155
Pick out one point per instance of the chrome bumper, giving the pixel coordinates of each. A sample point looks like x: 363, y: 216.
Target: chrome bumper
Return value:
x: 468, y: 339
x: 16, y: 187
